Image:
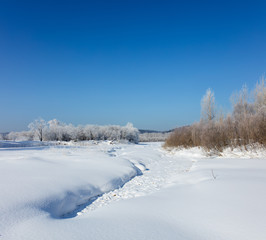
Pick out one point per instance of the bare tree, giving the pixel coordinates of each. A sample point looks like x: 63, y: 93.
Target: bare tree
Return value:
x: 37, y: 126
x: 245, y: 127
x: 241, y: 104
x: 208, y: 106
x: 260, y: 94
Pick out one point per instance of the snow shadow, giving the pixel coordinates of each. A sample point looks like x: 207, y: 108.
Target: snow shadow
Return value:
x: 74, y: 202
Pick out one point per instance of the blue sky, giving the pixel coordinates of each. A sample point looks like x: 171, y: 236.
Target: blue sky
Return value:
x: 113, y: 62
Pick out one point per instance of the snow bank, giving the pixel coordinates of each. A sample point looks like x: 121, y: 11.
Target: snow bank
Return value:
x: 56, y: 180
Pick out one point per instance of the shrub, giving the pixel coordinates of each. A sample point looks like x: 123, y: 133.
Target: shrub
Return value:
x: 245, y: 126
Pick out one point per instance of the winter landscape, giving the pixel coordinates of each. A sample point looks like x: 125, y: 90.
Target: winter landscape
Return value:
x: 132, y: 120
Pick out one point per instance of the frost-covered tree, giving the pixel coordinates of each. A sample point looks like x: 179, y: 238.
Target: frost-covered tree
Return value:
x: 59, y: 131
x: 20, y: 136
x: 153, y: 136
x: 260, y: 94
x: 37, y: 127
x: 208, y: 106
x: 130, y: 133
x: 242, y: 107
x: 80, y: 134
x: 55, y: 130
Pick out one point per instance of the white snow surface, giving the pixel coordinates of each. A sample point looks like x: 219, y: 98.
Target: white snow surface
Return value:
x: 101, y: 190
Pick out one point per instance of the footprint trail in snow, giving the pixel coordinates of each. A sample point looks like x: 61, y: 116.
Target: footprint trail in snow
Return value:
x: 158, y: 170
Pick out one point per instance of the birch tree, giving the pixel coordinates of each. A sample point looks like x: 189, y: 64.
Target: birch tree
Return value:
x: 208, y: 106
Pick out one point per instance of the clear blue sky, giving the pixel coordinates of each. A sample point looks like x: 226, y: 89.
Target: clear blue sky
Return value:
x: 113, y: 62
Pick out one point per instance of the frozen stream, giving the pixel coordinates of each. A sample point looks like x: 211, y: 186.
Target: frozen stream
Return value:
x: 159, y: 169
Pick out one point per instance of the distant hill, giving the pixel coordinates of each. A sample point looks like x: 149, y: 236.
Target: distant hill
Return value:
x: 154, y: 131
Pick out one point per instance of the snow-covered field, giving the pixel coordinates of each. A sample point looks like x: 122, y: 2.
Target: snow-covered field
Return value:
x: 126, y: 191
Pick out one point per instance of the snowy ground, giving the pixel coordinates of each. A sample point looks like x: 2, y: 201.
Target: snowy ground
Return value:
x: 127, y: 191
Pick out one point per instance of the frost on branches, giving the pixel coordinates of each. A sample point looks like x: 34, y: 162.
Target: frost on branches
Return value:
x: 55, y: 130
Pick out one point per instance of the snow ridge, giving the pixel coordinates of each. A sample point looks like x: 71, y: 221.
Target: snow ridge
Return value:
x: 74, y: 202
x: 161, y: 173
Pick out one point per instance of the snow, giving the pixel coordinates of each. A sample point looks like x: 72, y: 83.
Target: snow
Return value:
x: 99, y: 190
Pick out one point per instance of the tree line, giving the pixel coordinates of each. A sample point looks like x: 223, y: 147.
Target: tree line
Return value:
x: 153, y: 136
x: 55, y: 130
x: 246, y: 125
